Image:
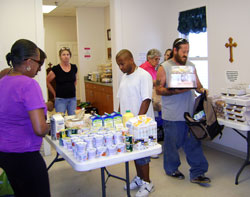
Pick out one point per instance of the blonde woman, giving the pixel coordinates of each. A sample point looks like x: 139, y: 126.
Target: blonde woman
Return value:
x: 65, y: 76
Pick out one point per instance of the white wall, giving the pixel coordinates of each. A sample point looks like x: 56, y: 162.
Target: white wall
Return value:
x: 21, y: 19
x: 58, y: 29
x: 106, y: 27
x: 232, y: 22
x: 90, y: 33
x: 134, y: 28
x: 228, y: 19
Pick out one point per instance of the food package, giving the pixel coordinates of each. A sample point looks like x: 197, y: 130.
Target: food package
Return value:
x: 79, y: 120
x: 218, y: 104
x: 57, y: 124
x: 142, y: 127
x: 182, y: 77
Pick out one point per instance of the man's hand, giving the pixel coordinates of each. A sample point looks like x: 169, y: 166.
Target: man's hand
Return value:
x: 50, y: 106
x: 202, y: 90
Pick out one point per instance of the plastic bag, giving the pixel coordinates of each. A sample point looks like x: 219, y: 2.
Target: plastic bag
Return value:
x: 5, y: 187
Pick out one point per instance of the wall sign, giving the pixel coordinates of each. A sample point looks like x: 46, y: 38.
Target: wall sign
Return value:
x: 232, y: 75
x: 87, y: 52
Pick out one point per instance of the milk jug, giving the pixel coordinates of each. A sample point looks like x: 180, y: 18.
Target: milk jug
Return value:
x: 126, y: 117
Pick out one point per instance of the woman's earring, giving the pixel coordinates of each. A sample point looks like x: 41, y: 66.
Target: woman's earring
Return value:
x: 28, y: 68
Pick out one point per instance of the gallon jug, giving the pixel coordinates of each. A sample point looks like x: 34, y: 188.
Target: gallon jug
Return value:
x: 126, y: 117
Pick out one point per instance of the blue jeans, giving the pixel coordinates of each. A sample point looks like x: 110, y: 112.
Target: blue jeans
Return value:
x: 176, y: 135
x: 142, y: 161
x: 63, y: 104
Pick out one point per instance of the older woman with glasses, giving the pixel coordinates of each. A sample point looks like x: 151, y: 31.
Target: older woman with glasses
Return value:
x: 23, y: 124
x: 153, y: 59
x: 65, y: 76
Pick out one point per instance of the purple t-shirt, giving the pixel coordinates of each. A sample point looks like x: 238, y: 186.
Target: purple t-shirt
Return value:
x: 19, y: 94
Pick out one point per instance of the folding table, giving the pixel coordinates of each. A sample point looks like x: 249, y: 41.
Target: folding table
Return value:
x: 237, y: 127
x: 102, y: 162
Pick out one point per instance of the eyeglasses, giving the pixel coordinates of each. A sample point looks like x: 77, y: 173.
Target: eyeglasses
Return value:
x: 37, y: 61
x: 181, y: 41
x: 64, y: 48
x: 157, y: 59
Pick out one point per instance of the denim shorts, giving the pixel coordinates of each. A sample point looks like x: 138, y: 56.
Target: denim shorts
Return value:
x: 63, y: 104
x: 142, y: 161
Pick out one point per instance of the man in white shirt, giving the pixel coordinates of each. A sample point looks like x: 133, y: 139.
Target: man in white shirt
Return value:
x: 135, y: 94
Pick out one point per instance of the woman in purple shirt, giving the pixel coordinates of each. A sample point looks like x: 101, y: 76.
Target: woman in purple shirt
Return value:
x: 23, y: 124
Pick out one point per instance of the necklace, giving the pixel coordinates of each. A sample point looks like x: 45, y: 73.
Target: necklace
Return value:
x: 13, y: 72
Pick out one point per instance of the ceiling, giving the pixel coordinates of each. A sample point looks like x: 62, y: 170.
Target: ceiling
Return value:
x: 68, y: 7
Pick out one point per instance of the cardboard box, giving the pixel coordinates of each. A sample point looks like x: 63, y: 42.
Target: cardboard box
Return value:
x: 182, y: 77
x: 57, y: 124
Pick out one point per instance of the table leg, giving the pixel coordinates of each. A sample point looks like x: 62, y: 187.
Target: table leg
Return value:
x: 103, y: 182
x: 127, y: 178
x: 247, y: 162
x: 55, y: 160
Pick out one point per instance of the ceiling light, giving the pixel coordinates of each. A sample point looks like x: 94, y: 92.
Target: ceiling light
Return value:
x: 48, y: 8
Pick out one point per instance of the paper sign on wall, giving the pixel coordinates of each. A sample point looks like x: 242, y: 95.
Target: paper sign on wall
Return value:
x: 141, y: 58
x: 232, y: 75
x: 87, y: 52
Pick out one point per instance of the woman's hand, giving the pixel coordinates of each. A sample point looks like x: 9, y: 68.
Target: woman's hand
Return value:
x: 38, y: 121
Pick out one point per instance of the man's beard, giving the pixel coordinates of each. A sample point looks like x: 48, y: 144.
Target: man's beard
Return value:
x: 179, y: 60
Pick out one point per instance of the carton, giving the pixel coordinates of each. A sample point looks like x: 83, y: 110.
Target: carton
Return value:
x: 57, y: 124
x: 108, y: 121
x: 96, y: 121
x: 117, y: 119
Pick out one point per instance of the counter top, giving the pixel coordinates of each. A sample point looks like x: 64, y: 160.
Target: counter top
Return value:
x: 98, y: 83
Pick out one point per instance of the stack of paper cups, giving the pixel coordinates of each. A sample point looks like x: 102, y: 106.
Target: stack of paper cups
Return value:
x: 101, y: 151
x: 109, y: 139
x: 69, y: 145
x: 82, y: 156
x: 89, y: 141
x: 118, y: 138
x: 91, y: 153
x: 64, y: 140
x: 112, y: 150
x: 99, y: 140
x: 81, y: 146
x: 82, y: 137
x: 121, y: 147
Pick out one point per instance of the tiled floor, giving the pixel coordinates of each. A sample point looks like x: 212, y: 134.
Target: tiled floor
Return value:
x: 65, y: 182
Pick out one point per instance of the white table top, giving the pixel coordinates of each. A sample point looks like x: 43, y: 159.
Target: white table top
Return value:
x: 234, y: 125
x: 103, y: 161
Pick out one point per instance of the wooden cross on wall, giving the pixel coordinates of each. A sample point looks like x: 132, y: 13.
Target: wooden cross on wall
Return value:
x: 50, y: 64
x: 231, y: 45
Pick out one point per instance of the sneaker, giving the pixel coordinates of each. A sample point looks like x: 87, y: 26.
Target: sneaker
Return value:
x: 154, y: 156
x: 135, y: 183
x: 145, y: 189
x: 201, y: 179
x: 178, y: 175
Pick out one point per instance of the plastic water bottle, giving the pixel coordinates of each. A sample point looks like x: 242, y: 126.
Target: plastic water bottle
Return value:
x: 199, y: 115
